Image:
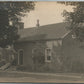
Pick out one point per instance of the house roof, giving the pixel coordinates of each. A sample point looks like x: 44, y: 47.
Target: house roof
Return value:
x: 46, y: 32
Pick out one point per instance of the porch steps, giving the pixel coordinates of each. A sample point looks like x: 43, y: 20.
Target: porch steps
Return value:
x: 11, y: 68
x: 5, y: 66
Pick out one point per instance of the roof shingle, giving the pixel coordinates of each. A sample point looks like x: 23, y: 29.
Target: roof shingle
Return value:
x: 46, y: 32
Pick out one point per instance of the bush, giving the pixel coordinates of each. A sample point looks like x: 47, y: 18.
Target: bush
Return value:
x: 3, y: 62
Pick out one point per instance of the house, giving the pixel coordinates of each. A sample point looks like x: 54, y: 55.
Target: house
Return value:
x: 50, y: 47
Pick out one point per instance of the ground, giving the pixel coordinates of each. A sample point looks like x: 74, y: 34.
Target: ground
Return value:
x: 15, y: 76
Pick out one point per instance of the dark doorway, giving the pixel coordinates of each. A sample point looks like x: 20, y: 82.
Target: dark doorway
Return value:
x: 20, y: 57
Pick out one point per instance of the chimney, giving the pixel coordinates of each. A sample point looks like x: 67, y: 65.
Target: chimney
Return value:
x: 37, y: 25
x: 19, y: 25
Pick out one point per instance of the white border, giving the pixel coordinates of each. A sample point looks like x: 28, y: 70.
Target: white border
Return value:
x: 41, y: 0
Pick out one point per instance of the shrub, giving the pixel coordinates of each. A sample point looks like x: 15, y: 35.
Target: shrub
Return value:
x: 3, y: 62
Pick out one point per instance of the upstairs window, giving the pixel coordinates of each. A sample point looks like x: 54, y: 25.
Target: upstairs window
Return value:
x: 57, y: 43
x: 73, y: 36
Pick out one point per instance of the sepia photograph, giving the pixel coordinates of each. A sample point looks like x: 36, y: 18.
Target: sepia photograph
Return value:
x: 41, y: 41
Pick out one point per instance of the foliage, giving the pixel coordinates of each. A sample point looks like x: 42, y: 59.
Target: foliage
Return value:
x: 39, y: 53
x: 76, y: 18
x: 11, y: 11
x: 16, y: 9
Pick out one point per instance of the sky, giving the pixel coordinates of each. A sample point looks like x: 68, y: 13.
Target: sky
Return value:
x: 46, y: 12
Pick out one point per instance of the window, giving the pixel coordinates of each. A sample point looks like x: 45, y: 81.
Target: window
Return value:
x: 60, y: 42
x: 48, y: 54
x: 49, y: 44
x: 57, y: 43
x: 73, y: 36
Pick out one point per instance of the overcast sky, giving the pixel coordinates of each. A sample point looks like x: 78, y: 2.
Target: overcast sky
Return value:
x: 46, y: 12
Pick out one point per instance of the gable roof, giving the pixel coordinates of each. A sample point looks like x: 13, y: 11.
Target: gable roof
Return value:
x: 46, y: 32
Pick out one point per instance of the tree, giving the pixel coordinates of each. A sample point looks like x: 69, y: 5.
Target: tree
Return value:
x: 76, y: 21
x: 11, y: 12
x: 75, y: 18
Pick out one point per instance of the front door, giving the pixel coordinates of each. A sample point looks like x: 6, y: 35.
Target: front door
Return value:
x: 20, y: 58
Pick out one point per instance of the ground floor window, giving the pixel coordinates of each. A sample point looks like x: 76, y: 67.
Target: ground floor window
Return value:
x: 48, y: 55
x: 41, y: 56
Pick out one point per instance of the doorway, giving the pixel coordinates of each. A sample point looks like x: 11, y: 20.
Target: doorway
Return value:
x: 20, y: 57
